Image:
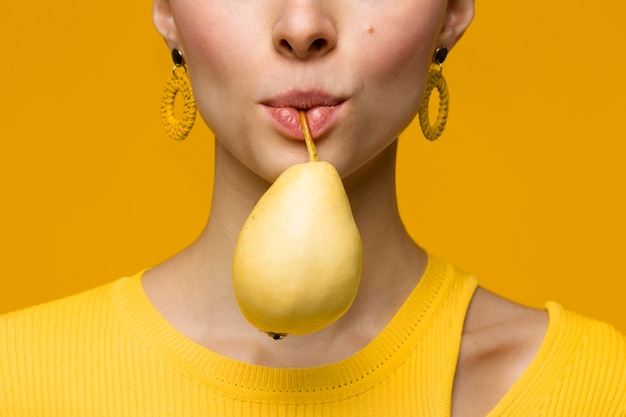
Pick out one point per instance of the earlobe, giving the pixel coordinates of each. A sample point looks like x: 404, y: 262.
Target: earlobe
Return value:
x: 459, y: 15
x: 163, y: 20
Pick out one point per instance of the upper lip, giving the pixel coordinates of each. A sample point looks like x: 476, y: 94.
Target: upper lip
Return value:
x: 303, y: 100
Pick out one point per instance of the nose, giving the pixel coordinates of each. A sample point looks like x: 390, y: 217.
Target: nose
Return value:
x: 304, y: 30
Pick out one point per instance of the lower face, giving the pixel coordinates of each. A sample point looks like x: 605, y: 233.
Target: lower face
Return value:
x: 361, y: 86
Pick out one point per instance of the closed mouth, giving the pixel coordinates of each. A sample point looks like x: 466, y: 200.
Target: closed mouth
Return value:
x: 303, y: 100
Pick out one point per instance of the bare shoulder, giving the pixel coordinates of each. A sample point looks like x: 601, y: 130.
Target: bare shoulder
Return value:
x: 500, y: 339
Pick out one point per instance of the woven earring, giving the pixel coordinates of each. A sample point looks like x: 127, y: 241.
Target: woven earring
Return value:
x: 435, y: 80
x: 178, y: 83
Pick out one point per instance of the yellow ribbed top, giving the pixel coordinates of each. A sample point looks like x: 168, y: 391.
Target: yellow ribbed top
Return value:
x: 108, y: 352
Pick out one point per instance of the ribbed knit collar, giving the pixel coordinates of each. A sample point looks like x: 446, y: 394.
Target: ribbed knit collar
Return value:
x: 240, y: 380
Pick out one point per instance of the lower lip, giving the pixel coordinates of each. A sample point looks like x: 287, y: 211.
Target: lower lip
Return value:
x: 287, y: 120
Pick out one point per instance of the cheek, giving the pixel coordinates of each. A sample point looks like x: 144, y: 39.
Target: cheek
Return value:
x: 400, y: 47
x: 222, y: 48
x: 217, y: 51
x: 395, y: 60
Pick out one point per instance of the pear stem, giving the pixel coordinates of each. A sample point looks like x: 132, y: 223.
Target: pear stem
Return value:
x: 308, y: 138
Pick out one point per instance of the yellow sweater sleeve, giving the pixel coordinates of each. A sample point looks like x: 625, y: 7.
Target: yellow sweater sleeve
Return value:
x: 580, y: 370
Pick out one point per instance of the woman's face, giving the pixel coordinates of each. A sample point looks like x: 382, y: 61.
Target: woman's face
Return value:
x: 356, y: 66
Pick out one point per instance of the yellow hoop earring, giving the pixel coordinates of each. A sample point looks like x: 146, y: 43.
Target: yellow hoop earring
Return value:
x: 178, y: 83
x: 435, y: 80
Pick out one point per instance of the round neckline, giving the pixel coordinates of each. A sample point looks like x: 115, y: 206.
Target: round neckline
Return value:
x: 242, y: 380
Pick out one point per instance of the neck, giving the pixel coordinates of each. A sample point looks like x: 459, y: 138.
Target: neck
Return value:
x: 392, y: 262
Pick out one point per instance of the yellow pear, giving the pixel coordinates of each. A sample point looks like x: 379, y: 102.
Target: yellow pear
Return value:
x: 297, y: 261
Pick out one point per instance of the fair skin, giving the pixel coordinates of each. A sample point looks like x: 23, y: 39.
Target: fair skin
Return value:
x: 371, y: 59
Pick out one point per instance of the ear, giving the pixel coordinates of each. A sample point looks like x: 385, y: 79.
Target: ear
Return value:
x: 164, y: 22
x: 459, y: 15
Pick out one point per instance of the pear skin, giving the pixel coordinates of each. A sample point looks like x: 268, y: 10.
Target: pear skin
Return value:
x: 297, y: 262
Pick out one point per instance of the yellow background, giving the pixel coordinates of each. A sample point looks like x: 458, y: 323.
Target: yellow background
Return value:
x: 525, y: 189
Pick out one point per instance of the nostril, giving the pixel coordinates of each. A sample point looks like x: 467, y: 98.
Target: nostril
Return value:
x: 285, y: 44
x: 319, y: 44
